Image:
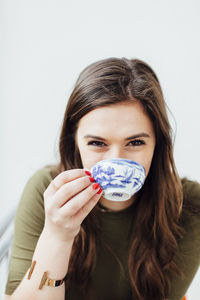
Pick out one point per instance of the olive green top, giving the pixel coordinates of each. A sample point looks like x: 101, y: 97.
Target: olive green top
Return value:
x: 110, y: 279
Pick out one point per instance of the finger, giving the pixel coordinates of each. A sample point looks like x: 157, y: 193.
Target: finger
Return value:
x: 70, y: 190
x: 63, y: 178
x: 76, y: 203
x: 86, y: 209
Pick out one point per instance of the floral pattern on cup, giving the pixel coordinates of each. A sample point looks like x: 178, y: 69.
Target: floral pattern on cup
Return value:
x: 119, y: 178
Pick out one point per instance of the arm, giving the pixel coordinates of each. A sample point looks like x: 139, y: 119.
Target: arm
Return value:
x: 63, y: 218
x: 52, y: 255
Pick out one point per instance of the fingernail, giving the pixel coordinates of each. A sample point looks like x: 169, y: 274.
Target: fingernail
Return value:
x: 99, y: 192
x: 88, y: 173
x: 95, y: 186
x: 91, y: 179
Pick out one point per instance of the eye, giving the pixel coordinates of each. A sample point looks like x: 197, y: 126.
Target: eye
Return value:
x: 96, y: 143
x: 137, y: 143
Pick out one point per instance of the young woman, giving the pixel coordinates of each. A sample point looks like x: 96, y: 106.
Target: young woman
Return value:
x: 67, y: 234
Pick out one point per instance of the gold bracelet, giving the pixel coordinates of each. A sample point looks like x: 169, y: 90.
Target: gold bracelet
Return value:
x: 50, y: 282
x: 45, y: 280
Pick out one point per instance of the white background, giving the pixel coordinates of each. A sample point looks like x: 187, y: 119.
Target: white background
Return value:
x: 45, y: 44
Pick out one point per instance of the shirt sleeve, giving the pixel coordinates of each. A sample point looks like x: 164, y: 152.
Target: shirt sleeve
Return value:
x: 29, y: 222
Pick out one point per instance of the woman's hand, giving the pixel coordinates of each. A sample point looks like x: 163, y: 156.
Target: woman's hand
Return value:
x: 68, y: 200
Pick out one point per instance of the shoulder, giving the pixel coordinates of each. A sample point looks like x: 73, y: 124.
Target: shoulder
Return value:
x: 42, y: 177
x: 30, y: 211
x: 191, y: 191
x: 32, y: 196
x: 47, y: 173
x: 190, y: 216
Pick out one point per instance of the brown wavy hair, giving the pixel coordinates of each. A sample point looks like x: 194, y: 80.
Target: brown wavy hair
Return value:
x: 152, y: 252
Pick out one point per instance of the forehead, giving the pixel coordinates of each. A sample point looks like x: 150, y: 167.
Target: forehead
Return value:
x: 118, y: 118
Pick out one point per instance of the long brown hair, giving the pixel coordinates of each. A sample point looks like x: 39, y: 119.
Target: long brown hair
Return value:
x: 154, y: 246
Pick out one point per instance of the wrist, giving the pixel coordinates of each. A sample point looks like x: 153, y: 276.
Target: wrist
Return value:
x: 57, y: 239
x: 52, y: 255
x: 45, y: 280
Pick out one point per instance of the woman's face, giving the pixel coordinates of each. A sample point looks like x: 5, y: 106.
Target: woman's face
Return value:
x: 121, y: 130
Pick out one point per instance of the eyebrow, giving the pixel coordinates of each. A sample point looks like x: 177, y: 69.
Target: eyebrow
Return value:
x: 138, y: 135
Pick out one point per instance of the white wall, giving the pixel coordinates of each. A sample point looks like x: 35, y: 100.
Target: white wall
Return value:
x: 45, y: 44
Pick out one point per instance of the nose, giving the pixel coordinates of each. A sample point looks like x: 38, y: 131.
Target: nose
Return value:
x: 114, y: 152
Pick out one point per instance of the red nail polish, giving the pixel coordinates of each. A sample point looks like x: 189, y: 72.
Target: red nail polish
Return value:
x: 99, y: 192
x: 91, y: 179
x: 95, y: 186
x: 88, y: 173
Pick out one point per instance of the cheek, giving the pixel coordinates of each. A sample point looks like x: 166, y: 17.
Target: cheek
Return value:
x: 148, y: 163
x: 88, y: 158
x: 146, y: 159
x: 147, y: 167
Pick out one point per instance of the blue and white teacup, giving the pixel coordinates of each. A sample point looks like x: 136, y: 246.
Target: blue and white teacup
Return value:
x: 119, y: 178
